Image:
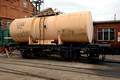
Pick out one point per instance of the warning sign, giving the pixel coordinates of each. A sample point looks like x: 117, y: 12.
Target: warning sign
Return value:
x: 118, y: 34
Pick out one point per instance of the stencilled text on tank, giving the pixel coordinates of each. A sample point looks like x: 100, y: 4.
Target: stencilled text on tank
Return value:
x: 20, y: 25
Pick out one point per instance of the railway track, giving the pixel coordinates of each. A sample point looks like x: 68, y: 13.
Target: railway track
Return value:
x: 17, y: 72
x: 57, y: 67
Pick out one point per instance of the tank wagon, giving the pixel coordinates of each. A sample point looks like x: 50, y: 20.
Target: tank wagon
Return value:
x: 69, y: 35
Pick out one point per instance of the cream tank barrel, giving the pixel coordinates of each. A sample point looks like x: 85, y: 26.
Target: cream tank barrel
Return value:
x: 72, y: 27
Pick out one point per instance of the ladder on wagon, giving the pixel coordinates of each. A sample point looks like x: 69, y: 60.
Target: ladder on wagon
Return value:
x: 42, y: 27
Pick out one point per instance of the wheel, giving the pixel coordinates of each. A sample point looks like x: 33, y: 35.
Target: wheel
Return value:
x: 27, y: 54
x: 65, y: 55
x: 93, y: 56
x: 102, y: 57
x: 71, y: 56
x: 76, y: 55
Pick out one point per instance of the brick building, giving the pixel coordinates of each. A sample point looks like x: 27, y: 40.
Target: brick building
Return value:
x: 12, y: 9
x: 107, y: 32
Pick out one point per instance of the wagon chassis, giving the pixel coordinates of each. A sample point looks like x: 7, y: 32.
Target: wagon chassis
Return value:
x: 71, y: 52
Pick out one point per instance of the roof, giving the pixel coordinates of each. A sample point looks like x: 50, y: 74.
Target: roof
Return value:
x: 102, y: 22
x: 42, y: 11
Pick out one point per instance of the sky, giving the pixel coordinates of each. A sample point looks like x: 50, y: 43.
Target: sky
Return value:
x: 101, y: 10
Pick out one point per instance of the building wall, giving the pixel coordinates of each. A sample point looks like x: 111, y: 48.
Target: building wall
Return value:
x: 47, y: 11
x: 115, y: 43
x: 12, y: 9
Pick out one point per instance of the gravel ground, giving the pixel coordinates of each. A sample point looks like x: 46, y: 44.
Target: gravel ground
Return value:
x: 17, y: 68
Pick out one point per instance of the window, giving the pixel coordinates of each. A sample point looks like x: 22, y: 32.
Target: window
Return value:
x: 106, y: 34
x: 25, y: 4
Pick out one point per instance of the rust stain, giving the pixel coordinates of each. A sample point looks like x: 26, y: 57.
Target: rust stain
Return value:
x: 68, y: 32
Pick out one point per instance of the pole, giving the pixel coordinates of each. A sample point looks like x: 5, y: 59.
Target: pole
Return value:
x: 114, y: 17
x: 37, y: 4
x: 36, y: 8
